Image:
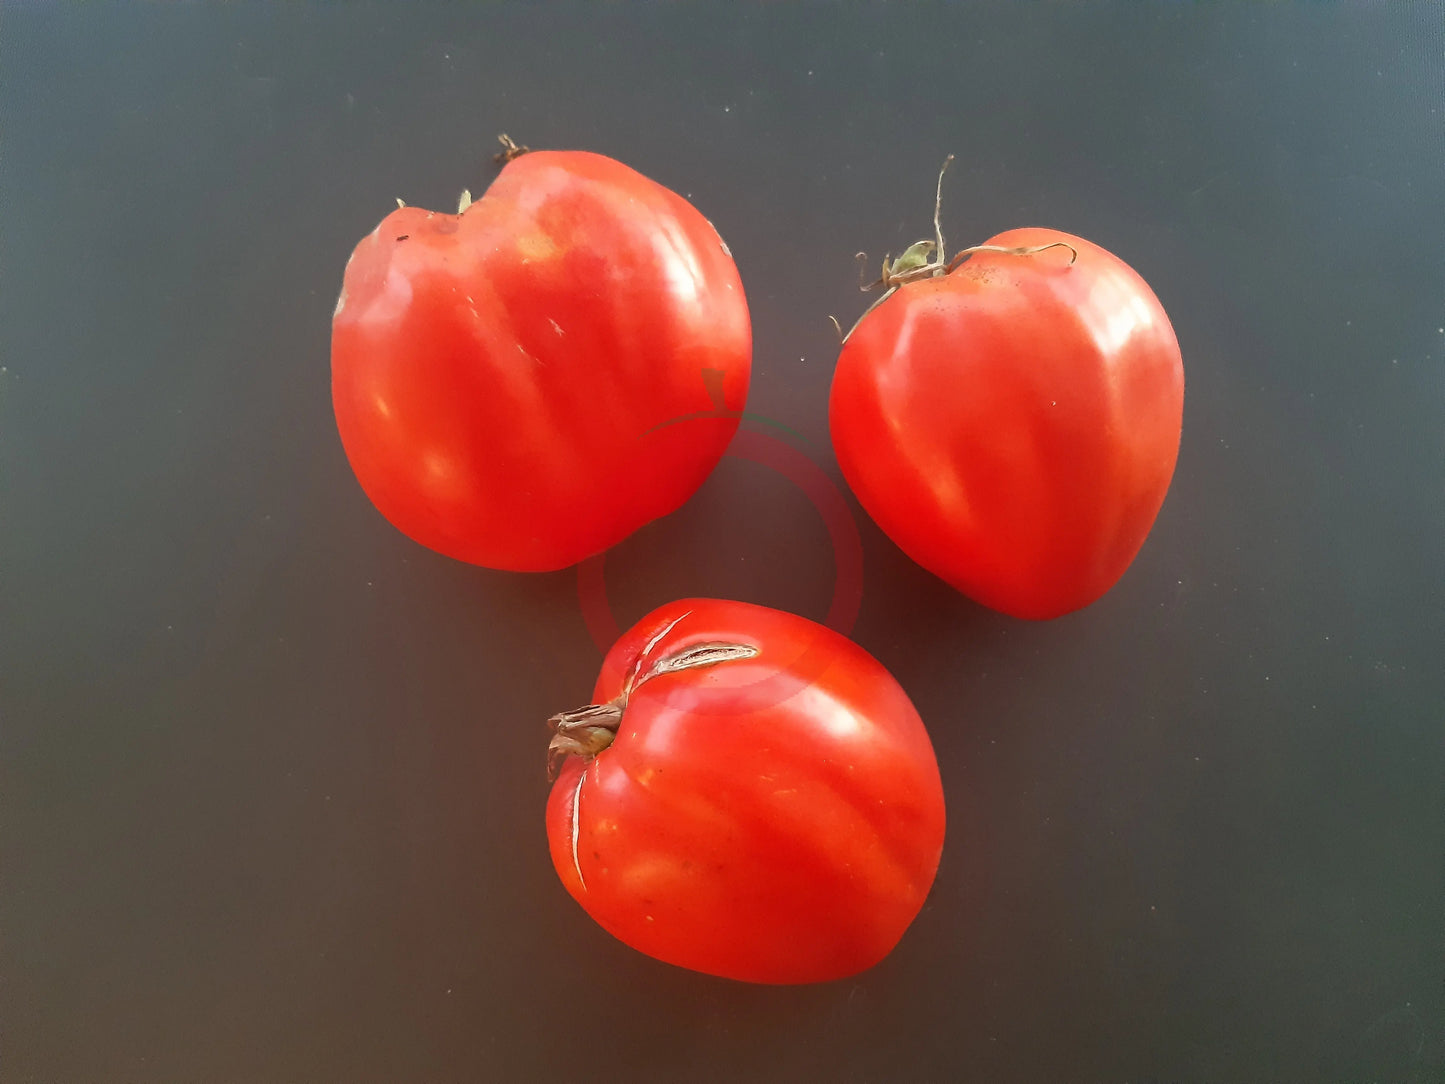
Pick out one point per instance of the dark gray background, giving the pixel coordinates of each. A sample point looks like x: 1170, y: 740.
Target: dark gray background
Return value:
x: 272, y: 787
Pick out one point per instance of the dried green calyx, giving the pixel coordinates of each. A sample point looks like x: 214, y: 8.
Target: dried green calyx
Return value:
x: 928, y: 259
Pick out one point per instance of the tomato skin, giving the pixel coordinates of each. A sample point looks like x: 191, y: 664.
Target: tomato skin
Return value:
x: 1013, y: 426
x: 503, y: 379
x: 777, y: 819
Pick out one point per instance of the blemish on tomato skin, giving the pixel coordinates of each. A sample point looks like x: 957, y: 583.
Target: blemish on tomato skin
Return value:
x: 577, y: 827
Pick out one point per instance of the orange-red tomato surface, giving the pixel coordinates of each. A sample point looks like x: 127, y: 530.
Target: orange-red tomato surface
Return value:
x: 509, y: 381
x: 776, y: 819
x: 1013, y: 425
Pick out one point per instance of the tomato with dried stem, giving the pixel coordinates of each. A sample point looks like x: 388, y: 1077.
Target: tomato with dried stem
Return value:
x: 505, y: 379
x: 1011, y: 417
x: 749, y: 795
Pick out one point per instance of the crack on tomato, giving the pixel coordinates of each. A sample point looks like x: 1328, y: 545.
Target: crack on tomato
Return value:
x: 588, y: 730
x: 577, y: 827
x: 727, y: 251
x: 642, y: 655
x: 701, y: 655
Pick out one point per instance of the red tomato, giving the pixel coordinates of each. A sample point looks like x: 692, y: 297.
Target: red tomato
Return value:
x: 752, y: 796
x: 503, y: 378
x: 1013, y: 424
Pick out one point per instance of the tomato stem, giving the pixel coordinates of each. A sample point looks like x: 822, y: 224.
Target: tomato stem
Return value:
x: 509, y: 151
x: 938, y: 207
x: 1023, y: 250
x: 927, y: 259
x: 586, y: 731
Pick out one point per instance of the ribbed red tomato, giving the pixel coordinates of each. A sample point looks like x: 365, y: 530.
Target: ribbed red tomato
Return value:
x: 750, y: 794
x: 1012, y: 421
x: 503, y: 378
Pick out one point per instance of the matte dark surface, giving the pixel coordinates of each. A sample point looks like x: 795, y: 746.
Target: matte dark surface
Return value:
x: 272, y: 774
